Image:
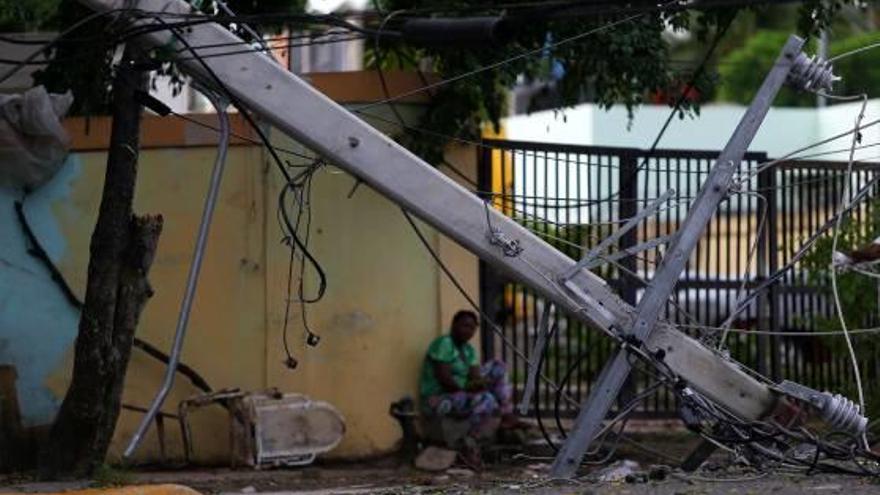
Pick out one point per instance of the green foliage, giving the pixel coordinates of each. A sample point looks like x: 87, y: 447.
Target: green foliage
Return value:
x: 86, y: 68
x: 743, y: 71
x: 29, y: 15
x: 618, y: 65
x: 859, y: 73
x: 817, y: 15
x: 83, y: 68
x: 858, y: 299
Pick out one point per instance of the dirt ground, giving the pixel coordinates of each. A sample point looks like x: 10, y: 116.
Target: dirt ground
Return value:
x: 508, y: 471
x: 351, y: 480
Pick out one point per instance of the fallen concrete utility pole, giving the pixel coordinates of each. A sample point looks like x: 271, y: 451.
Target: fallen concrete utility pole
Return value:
x: 713, y: 191
x: 255, y: 81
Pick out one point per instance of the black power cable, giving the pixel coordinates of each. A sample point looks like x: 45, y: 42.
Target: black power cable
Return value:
x: 289, y: 183
x: 18, y: 65
x: 268, y: 145
x: 538, y: 416
x: 289, y: 361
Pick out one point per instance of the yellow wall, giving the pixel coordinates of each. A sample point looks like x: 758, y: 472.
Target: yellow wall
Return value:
x: 385, y: 298
x: 226, y: 338
x: 385, y: 302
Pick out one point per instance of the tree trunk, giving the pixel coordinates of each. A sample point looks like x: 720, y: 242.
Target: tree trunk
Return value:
x: 121, y: 252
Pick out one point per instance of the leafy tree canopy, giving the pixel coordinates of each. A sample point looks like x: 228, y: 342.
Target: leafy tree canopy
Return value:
x: 30, y: 15
x: 624, y: 64
x: 743, y: 70
x: 86, y: 68
x: 620, y: 64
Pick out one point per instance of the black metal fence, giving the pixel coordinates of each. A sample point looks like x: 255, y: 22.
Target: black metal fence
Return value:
x: 573, y: 196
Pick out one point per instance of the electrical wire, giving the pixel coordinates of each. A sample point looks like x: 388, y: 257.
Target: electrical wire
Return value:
x: 746, y: 271
x: 764, y: 166
x: 526, y: 215
x: 785, y: 160
x: 676, y: 108
x: 537, y: 395
x: 311, y: 337
x: 854, y: 52
x: 842, y: 211
x: 528, y: 53
x: 470, y: 300
x: 835, y: 238
x: 301, y: 189
x: 379, y: 62
x: 328, y: 39
x: 268, y: 40
x: 290, y: 182
x: 242, y: 137
x: 192, y: 20
x: 18, y: 65
x: 290, y: 361
x: 783, y: 333
x: 809, y: 242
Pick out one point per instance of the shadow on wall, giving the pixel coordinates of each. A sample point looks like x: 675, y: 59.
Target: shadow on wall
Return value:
x: 20, y: 445
x: 38, y: 324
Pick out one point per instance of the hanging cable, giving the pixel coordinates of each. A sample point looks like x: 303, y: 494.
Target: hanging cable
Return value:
x: 18, y: 65
x: 844, y: 199
x: 854, y: 52
x: 322, y: 279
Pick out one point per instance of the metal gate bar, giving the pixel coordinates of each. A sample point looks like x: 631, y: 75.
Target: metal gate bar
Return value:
x: 575, y: 195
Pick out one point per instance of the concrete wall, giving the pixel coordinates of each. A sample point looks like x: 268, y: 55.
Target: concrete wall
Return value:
x: 385, y: 299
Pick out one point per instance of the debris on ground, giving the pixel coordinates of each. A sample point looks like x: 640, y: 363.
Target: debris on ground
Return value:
x: 435, y: 459
x: 618, y: 471
x: 460, y: 472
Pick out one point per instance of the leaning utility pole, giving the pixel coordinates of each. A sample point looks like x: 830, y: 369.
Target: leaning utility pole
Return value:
x: 715, y: 188
x: 255, y: 82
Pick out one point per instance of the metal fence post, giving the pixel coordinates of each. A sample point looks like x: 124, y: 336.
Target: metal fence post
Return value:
x: 767, y: 189
x: 761, y: 271
x: 627, y: 208
x: 490, y: 285
x: 627, y: 181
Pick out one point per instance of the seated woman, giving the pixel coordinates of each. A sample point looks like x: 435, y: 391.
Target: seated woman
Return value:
x: 454, y: 384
